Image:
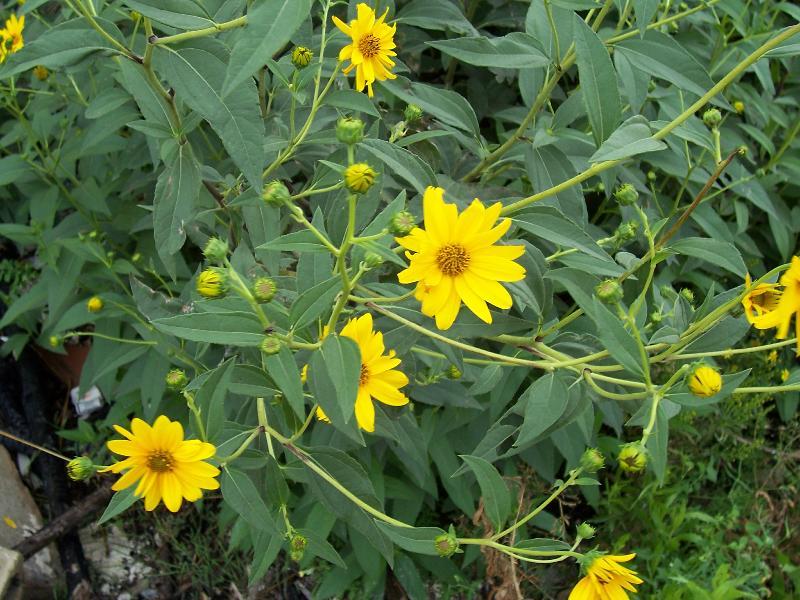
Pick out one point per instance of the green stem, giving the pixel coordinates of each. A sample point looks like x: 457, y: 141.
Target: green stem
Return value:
x: 198, y: 33
x: 733, y: 351
x: 261, y: 409
x: 245, y: 445
x: 588, y: 376
x: 109, y: 337
x: 768, y: 389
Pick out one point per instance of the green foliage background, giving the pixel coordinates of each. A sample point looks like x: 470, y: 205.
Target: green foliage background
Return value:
x: 120, y: 165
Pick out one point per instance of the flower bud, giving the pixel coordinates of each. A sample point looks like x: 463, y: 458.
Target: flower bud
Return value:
x: 301, y: 57
x: 601, y: 187
x: 54, y: 341
x: 215, y: 250
x: 632, y: 458
x: 585, y: 531
x: 651, y: 176
x: 137, y: 256
x: 80, y: 468
x: 349, y: 130
x: 453, y: 372
x: 270, y: 345
x: 609, y: 291
x: 402, y: 223
x: 297, y: 547
x: 412, y: 113
x: 704, y: 381
x: 372, y: 260
x: 40, y: 72
x: 264, y: 289
x: 176, y: 379
x: 688, y: 295
x: 739, y: 107
x: 785, y: 375
x: 275, y: 192
x: 446, y: 544
x: 626, y: 231
x: 626, y: 194
x: 359, y: 177
x: 656, y: 317
x: 94, y: 304
x: 210, y: 283
x: 136, y: 15
x: 592, y: 460
x: 712, y: 118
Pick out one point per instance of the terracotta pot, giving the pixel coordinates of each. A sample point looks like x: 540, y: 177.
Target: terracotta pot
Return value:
x: 67, y: 367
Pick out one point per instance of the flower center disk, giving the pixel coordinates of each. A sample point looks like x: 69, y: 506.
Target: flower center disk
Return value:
x: 369, y: 45
x: 160, y: 461
x: 364, y: 377
x: 452, y: 259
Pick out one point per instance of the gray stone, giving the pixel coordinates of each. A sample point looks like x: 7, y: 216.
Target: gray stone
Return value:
x: 19, y: 517
x: 10, y: 562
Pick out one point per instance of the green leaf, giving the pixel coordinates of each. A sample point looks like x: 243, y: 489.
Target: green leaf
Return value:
x: 661, y: 56
x: 419, y: 540
x: 284, y: 372
x: 270, y: 25
x: 333, y: 376
x: 547, y: 166
x: 598, y: 82
x: 645, y: 10
x: 60, y: 46
x: 197, y: 77
x: 722, y: 254
x: 437, y: 15
x: 544, y: 401
x: 618, y: 340
x: 496, y: 497
x: 730, y: 381
x: 631, y: 138
x: 447, y: 106
x: 314, y: 301
x: 320, y: 547
x: 297, y: 241
x: 182, y: 14
x: 242, y: 496
x: 175, y: 197
x: 12, y: 167
x: 351, y: 100
x: 550, y: 224
x: 236, y: 328
x: 120, y: 502
x: 153, y: 106
x: 210, y: 399
x: 513, y: 51
x: 401, y: 163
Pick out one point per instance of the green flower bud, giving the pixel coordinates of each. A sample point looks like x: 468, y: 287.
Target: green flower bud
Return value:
x: 739, y: 107
x: 275, y: 192
x: 80, y: 468
x: 609, y: 291
x: 712, y: 118
x: 301, y: 57
x: 626, y: 231
x: 633, y: 458
x: 372, y: 260
x: 446, y: 544
x: 137, y: 256
x: 688, y: 295
x: 651, y: 176
x: 297, y: 547
x: 592, y: 460
x: 626, y: 194
x: 601, y: 187
x: 215, y: 250
x: 264, y: 289
x: 585, y: 531
x: 270, y: 345
x: 176, y: 379
x: 453, y: 372
x: 656, y: 317
x: 359, y: 178
x: 412, y: 113
x: 402, y: 223
x: 349, y: 130
x: 54, y: 341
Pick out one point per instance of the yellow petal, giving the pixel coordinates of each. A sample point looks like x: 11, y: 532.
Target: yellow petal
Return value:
x: 365, y: 411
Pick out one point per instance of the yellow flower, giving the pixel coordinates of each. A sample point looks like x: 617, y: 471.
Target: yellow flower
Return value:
x: 359, y: 178
x: 759, y: 301
x: 12, y: 33
x: 632, y: 458
x: 40, y: 72
x: 454, y: 259
x: 704, y: 381
x: 787, y: 307
x: 379, y: 379
x: 606, y: 579
x: 166, y: 466
x: 210, y: 283
x: 372, y: 45
x: 94, y: 304
x: 785, y: 375
x: 772, y: 357
x: 739, y: 107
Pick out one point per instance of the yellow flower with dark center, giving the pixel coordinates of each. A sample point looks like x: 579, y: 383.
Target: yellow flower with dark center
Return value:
x: 760, y: 300
x: 705, y: 381
x: 606, y: 579
x: 788, y: 305
x: 94, y: 304
x: 359, y: 177
x: 12, y: 34
x: 371, y: 48
x: 166, y: 466
x: 210, y: 283
x: 379, y: 379
x: 455, y: 259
